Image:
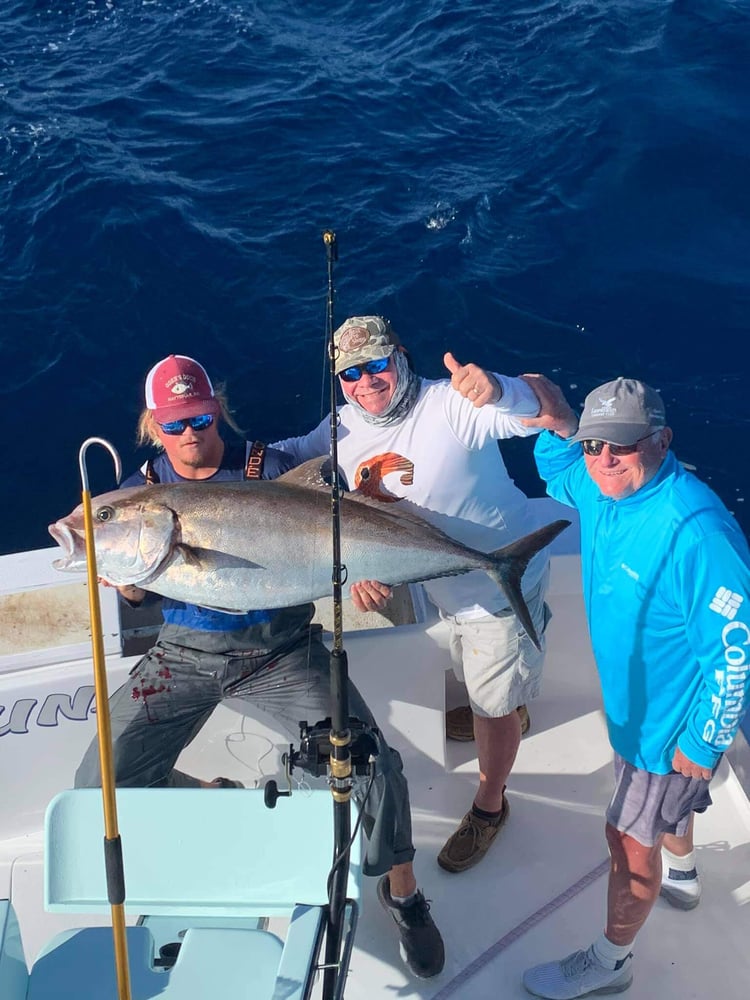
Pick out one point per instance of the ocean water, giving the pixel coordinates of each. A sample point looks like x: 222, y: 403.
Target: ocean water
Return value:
x: 556, y: 186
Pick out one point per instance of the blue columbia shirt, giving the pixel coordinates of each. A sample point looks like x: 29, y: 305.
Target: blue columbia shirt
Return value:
x: 666, y: 583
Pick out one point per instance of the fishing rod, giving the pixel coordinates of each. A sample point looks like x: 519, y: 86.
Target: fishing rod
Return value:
x: 340, y: 778
x: 339, y: 746
x: 112, y: 843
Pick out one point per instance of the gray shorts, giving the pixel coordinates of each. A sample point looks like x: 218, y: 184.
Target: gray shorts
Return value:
x: 646, y: 805
x: 496, y: 659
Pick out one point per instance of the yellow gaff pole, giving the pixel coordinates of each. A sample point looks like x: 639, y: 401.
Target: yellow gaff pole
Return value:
x: 112, y: 843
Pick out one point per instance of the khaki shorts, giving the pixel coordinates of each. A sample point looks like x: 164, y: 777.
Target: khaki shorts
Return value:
x: 646, y: 805
x: 496, y: 660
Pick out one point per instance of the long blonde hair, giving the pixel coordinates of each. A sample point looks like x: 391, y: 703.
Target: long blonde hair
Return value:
x: 147, y: 428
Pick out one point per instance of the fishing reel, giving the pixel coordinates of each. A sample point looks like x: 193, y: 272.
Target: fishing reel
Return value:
x: 315, y: 752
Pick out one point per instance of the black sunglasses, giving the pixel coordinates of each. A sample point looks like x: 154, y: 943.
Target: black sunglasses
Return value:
x: 594, y: 447
x: 174, y: 427
x: 355, y: 373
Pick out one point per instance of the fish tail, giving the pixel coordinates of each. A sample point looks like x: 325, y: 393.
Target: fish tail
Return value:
x: 509, y: 564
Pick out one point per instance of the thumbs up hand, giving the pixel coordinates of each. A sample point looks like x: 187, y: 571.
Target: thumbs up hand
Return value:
x: 473, y: 382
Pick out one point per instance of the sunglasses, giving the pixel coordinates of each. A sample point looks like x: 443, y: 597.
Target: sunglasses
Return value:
x: 593, y: 446
x: 355, y: 373
x: 196, y: 423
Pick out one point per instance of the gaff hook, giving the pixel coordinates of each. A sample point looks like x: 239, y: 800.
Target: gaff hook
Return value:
x: 112, y: 842
x: 82, y: 460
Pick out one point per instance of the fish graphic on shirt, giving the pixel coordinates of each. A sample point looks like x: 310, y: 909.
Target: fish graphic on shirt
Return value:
x: 369, y: 475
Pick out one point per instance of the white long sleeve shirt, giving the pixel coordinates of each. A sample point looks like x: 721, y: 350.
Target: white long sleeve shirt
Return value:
x: 442, y: 462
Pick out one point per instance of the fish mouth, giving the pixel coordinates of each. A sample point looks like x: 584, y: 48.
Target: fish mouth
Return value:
x: 67, y: 542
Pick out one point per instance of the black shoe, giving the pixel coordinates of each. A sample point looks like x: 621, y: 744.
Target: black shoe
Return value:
x: 421, y: 945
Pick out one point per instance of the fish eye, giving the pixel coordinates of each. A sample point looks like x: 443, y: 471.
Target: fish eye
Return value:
x: 105, y: 513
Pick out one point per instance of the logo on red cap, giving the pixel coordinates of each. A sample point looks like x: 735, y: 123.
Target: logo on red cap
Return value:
x: 179, y: 387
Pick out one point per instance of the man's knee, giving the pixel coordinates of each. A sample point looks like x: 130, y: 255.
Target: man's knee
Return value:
x: 388, y: 760
x: 88, y: 774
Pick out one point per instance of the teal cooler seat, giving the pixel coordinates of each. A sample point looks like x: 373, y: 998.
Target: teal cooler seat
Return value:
x: 211, y: 862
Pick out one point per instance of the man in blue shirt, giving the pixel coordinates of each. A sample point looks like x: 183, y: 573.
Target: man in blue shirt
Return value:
x: 274, y: 658
x: 666, y: 584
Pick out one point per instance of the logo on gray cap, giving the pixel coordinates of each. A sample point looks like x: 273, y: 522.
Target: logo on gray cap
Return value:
x: 621, y: 412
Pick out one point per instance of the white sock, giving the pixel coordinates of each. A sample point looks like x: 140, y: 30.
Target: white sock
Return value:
x: 610, y: 954
x: 403, y: 900
x: 680, y: 864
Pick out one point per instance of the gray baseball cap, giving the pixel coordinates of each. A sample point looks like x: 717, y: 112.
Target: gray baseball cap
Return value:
x: 621, y: 412
x: 363, y: 338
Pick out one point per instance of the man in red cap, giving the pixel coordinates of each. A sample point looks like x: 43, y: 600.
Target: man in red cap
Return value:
x: 274, y: 658
x: 180, y: 398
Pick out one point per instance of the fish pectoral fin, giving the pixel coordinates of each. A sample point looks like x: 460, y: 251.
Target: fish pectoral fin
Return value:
x: 191, y: 555
x: 213, y: 560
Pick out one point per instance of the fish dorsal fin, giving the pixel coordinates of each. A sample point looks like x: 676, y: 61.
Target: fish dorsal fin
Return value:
x: 315, y: 474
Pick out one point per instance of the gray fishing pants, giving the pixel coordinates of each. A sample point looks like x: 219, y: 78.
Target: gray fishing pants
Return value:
x: 174, y: 688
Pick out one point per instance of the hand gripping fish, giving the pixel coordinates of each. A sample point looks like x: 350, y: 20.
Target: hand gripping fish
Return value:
x: 267, y: 543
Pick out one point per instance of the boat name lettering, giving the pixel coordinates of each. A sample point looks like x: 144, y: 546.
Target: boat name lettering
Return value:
x: 76, y: 709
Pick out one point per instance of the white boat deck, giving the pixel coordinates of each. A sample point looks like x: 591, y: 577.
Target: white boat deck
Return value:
x: 540, y: 891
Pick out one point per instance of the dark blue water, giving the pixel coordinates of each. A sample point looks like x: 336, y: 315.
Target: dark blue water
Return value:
x: 538, y: 186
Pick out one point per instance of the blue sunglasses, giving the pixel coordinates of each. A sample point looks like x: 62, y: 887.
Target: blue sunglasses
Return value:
x: 197, y: 423
x: 355, y: 373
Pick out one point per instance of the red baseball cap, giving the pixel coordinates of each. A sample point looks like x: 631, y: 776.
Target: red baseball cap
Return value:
x: 178, y: 387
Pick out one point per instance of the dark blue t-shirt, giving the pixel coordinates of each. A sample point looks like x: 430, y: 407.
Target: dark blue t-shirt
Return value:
x: 232, y: 467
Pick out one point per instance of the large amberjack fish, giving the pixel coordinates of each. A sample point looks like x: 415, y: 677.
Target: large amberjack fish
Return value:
x: 267, y: 544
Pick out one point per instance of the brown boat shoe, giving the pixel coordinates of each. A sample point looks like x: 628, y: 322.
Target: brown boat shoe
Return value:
x: 471, y: 841
x: 459, y: 723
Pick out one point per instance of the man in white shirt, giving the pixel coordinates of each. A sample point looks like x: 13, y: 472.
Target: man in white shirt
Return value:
x: 431, y: 447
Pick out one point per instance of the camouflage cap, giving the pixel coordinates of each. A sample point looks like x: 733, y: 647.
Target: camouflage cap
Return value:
x: 621, y: 412
x: 363, y: 338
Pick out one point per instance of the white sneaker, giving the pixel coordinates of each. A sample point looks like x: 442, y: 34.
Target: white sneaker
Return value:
x: 680, y: 889
x: 579, y: 975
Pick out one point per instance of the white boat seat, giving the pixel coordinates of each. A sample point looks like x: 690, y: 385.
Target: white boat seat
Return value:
x: 223, y: 864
